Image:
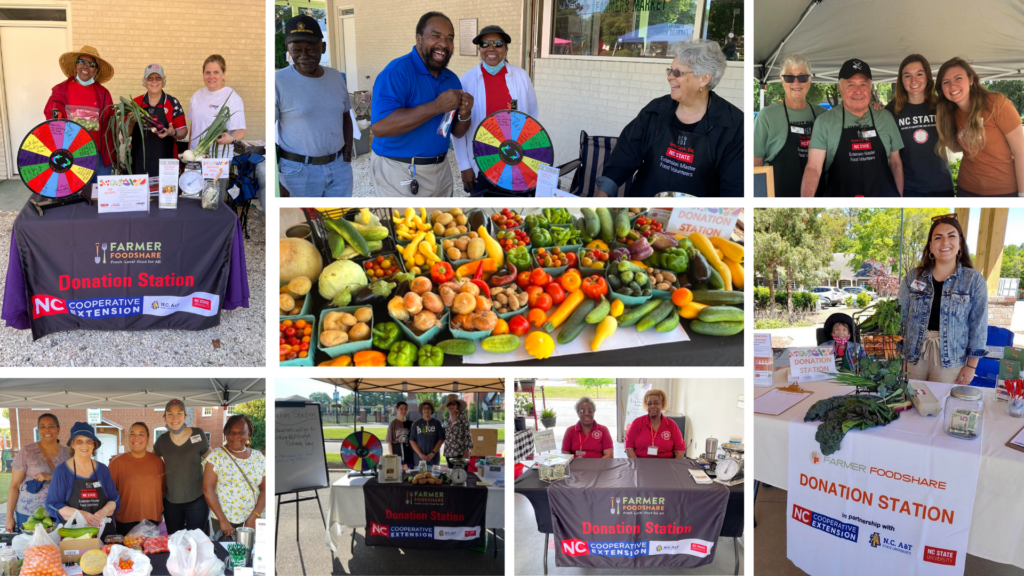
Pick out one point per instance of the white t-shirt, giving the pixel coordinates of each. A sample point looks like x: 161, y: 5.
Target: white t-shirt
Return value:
x: 203, y: 108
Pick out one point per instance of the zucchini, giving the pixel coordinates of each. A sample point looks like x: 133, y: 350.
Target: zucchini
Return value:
x: 337, y: 244
x: 607, y: 228
x: 574, y: 326
x: 660, y: 312
x: 720, y: 314
x: 591, y: 221
x: 78, y: 532
x: 633, y: 316
x: 718, y: 297
x: 501, y: 344
x: 585, y: 237
x: 715, y: 281
x: 716, y: 328
x: 602, y: 309
x: 457, y: 346
x: 352, y: 236
x: 621, y: 222
x: 668, y: 324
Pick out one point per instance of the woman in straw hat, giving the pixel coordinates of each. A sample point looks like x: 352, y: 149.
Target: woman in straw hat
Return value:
x: 458, y: 441
x: 82, y: 98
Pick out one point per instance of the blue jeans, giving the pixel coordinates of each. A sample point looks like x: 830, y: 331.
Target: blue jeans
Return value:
x: 332, y: 180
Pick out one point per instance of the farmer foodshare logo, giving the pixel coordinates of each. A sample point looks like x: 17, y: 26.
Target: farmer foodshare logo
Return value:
x: 940, y: 556
x: 880, y: 472
x: 127, y: 252
x: 826, y: 524
x: 637, y: 504
x: 815, y: 458
x: 876, y: 540
x: 424, y: 498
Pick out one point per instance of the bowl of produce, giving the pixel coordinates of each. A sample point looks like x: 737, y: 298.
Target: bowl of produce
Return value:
x: 345, y: 330
x: 509, y: 300
x: 506, y: 219
x: 464, y: 249
x: 297, y: 340
x: 556, y: 259
x: 294, y: 298
x: 381, y: 266
x: 428, y: 478
x: 37, y: 520
x: 509, y: 239
x: 592, y: 260
x: 634, y: 213
x: 447, y: 224
x: 472, y: 314
x: 421, y: 312
x: 663, y: 282
x: 628, y: 282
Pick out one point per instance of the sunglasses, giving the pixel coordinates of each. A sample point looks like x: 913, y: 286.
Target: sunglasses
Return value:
x: 677, y: 73
x: 790, y: 78
x: 944, y: 216
x: 489, y: 43
x: 88, y: 63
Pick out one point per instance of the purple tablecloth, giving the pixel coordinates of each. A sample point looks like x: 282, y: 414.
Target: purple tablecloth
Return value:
x: 15, y: 304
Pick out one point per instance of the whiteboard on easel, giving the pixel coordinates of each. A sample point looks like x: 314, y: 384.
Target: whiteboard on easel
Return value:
x: 299, y: 454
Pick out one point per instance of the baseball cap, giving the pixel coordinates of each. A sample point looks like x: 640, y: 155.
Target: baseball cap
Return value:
x: 302, y: 28
x: 153, y: 69
x: 853, y: 67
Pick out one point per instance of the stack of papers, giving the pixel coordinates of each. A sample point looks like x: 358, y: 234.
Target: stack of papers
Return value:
x: 700, y: 477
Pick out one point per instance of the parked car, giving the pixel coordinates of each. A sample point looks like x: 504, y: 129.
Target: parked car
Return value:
x: 857, y: 290
x: 829, y: 296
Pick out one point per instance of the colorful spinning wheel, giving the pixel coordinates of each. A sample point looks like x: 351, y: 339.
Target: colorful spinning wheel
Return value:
x: 57, y: 158
x: 361, y: 451
x: 510, y: 146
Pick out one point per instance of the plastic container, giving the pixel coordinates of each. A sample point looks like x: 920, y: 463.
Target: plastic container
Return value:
x: 963, y: 415
x: 556, y: 270
x: 632, y: 219
x: 585, y: 270
x: 627, y: 300
x: 427, y: 336
x: 313, y: 338
x: 521, y: 310
x: 348, y: 347
x: 516, y: 212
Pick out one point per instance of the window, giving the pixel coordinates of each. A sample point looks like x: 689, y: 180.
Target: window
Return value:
x: 621, y: 28
x: 34, y: 14
x: 229, y: 411
x: 724, y: 24
x: 207, y: 437
x: 158, y: 432
x: 207, y: 412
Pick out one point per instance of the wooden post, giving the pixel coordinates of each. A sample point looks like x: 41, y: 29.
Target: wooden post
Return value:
x: 991, y: 235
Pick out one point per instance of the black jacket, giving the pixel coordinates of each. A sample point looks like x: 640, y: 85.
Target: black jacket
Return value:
x: 724, y: 125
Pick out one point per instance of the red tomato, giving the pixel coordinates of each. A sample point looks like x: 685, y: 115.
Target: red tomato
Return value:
x: 523, y: 279
x: 543, y: 302
x: 539, y: 277
x: 304, y: 346
x: 285, y: 349
x: 289, y: 332
x: 518, y: 325
x: 532, y: 292
x: 556, y: 292
x: 570, y: 258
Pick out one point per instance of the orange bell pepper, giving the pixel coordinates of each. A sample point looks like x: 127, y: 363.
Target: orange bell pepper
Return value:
x: 345, y: 360
x: 537, y: 317
x: 468, y: 269
x: 571, y: 280
x: 682, y: 296
x: 370, y: 358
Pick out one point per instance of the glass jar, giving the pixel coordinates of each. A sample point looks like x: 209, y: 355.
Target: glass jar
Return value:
x: 963, y: 413
x: 9, y: 562
x: 211, y: 195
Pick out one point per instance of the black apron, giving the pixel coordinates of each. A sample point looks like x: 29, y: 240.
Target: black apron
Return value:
x: 86, y: 493
x: 860, y: 167
x: 156, y: 147
x: 681, y: 161
x: 788, y: 165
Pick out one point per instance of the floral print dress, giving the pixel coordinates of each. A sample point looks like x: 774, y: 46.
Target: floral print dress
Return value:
x: 457, y: 437
x: 236, y: 499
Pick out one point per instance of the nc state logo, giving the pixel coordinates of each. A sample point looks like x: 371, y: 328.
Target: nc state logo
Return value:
x: 921, y: 136
x: 597, y: 434
x: 665, y: 435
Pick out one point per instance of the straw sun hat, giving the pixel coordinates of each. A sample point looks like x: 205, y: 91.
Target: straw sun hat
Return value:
x: 68, y: 59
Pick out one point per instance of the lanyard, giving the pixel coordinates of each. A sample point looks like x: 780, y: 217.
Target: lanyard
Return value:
x: 580, y: 436
x: 652, y: 430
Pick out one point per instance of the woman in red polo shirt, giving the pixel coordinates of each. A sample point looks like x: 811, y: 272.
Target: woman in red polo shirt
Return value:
x: 653, y: 435
x: 587, y: 439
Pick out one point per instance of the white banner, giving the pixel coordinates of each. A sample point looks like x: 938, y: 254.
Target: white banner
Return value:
x: 892, y: 500
x: 201, y: 303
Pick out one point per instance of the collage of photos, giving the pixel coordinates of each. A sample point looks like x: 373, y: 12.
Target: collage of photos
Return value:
x: 860, y: 359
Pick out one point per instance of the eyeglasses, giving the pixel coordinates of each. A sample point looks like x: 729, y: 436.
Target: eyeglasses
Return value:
x: 790, y: 78
x: 653, y: 404
x: 88, y: 63
x: 677, y: 73
x: 944, y: 216
x: 583, y: 411
x: 489, y: 43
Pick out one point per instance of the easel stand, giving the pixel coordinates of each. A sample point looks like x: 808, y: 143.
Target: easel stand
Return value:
x: 44, y: 203
x: 296, y: 500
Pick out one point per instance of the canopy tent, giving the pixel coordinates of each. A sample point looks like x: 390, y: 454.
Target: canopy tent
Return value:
x: 462, y: 385
x: 986, y: 33
x: 127, y: 392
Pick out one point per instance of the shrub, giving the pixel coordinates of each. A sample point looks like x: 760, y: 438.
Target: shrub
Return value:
x: 761, y: 295
x: 773, y: 323
x: 547, y: 413
x: 801, y: 300
x: 863, y: 299
x: 849, y: 300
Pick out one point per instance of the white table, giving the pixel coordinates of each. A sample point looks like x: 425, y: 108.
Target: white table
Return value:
x: 348, y: 508
x: 997, y: 524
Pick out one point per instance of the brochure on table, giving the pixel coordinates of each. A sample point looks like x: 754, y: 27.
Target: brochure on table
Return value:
x: 762, y: 359
x: 811, y: 364
x: 214, y: 168
x: 126, y: 193
x: 547, y: 184
x: 168, y: 184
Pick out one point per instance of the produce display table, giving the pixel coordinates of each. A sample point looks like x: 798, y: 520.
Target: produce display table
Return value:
x: 162, y: 269
x: 347, y: 508
x: 995, y: 529
x: 644, y: 477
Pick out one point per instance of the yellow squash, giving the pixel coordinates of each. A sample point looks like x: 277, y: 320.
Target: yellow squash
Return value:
x: 494, y: 249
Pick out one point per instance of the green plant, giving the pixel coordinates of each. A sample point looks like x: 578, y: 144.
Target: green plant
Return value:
x: 547, y: 413
x: 774, y: 323
x: 801, y: 300
x: 849, y: 300
x: 523, y: 406
x: 257, y: 412
x: 595, y: 385
x: 886, y: 318
x: 954, y: 167
x: 863, y: 299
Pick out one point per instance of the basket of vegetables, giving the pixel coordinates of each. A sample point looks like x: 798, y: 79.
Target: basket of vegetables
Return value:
x: 506, y: 219
x: 555, y: 260
x: 628, y: 282
x: 880, y: 334
x: 420, y: 313
x: 592, y: 260
x: 464, y: 249
x: 345, y: 330
x: 297, y: 339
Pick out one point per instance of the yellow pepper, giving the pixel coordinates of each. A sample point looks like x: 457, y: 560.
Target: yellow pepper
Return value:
x: 617, y: 308
x: 691, y: 310
x: 370, y: 358
x: 339, y: 361
x: 540, y: 345
x: 605, y: 328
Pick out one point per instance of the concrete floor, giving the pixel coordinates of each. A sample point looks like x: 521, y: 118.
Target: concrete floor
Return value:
x: 770, y: 542
x: 310, y: 554
x: 529, y: 558
x: 13, y: 195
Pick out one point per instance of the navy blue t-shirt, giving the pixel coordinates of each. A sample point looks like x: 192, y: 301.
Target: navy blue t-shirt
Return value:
x: 425, y: 434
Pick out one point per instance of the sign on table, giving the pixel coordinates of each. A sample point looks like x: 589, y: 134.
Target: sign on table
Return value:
x: 424, y: 515
x: 544, y: 440
x: 168, y: 184
x: 635, y: 402
x: 214, y: 168
x: 811, y: 364
x: 762, y: 359
x: 128, y: 193
x: 707, y: 221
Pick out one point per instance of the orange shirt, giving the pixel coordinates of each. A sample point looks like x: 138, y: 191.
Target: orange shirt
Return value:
x: 140, y: 483
x: 991, y: 170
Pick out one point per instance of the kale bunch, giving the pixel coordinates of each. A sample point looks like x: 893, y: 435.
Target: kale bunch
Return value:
x: 840, y: 414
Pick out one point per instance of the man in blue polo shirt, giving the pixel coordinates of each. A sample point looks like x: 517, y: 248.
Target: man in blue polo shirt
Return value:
x: 411, y: 100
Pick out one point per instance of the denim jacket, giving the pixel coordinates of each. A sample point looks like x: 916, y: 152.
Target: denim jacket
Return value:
x: 963, y: 316
x: 853, y: 353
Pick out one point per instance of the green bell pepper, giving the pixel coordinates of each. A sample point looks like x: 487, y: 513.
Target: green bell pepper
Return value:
x: 675, y: 260
x: 534, y: 221
x: 402, y: 354
x: 386, y: 334
x: 519, y: 257
x: 430, y: 356
x: 653, y: 261
x: 540, y: 238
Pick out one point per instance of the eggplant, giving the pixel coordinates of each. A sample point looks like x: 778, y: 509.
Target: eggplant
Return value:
x: 663, y: 241
x: 402, y: 289
x: 640, y: 249
x: 476, y: 218
x: 365, y: 296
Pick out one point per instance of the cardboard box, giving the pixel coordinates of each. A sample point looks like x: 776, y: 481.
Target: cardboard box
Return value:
x: 1015, y: 354
x: 1009, y: 369
x: 72, y: 550
x: 485, y: 441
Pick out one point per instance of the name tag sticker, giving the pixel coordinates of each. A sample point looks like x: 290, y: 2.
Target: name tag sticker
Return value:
x: 406, y: 182
x: 196, y: 439
x: 797, y: 130
x: 868, y: 134
x: 581, y: 454
x: 652, y: 450
x: 917, y: 285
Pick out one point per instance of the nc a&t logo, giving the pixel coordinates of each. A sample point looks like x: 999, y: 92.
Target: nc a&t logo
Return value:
x: 875, y: 540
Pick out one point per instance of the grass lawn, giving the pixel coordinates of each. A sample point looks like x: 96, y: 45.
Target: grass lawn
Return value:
x: 5, y: 485
x: 340, y: 433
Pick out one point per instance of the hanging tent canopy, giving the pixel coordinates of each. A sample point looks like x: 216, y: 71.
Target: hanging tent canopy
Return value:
x: 127, y: 392
x: 462, y: 385
x: 986, y: 33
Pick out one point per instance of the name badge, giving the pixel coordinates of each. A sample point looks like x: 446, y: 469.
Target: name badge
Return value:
x: 196, y: 439
x: 581, y: 453
x: 868, y: 134
x: 652, y: 450
x: 918, y: 285
x: 797, y: 130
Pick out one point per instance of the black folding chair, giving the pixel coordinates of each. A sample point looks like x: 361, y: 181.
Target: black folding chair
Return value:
x: 594, y: 153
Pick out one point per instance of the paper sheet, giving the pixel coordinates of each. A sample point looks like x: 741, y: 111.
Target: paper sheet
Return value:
x: 776, y: 402
x: 1018, y: 440
x: 762, y: 359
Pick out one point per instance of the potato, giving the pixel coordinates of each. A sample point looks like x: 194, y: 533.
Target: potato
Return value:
x: 461, y: 219
x: 513, y: 302
x: 329, y: 338
x: 473, y: 235
x: 286, y: 302
x: 359, y: 332
x: 333, y: 321
x: 348, y: 319
x: 455, y: 211
x: 447, y: 243
x: 462, y: 228
x: 364, y: 314
x: 451, y: 232
x: 444, y: 218
x: 476, y: 248
x: 462, y: 243
x: 500, y: 298
x: 438, y: 230
x: 299, y: 286
x: 453, y: 253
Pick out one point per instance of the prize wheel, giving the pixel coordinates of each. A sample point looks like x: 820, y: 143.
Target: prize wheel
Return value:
x: 57, y: 158
x: 509, y: 147
x: 361, y: 451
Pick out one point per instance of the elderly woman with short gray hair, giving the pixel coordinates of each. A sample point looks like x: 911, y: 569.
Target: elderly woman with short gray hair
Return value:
x: 689, y: 141
x: 587, y: 439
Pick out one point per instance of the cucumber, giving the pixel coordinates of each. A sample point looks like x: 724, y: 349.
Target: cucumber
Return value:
x: 660, y: 312
x: 621, y: 222
x: 633, y: 316
x: 607, y: 229
x: 337, y: 244
x: 501, y: 344
x: 668, y: 324
x: 602, y: 309
x: 575, y: 324
x: 457, y: 347
x: 78, y: 532
x: 591, y: 222
x: 350, y: 234
x: 720, y: 314
x: 585, y: 237
x: 370, y: 232
x: 718, y: 297
x: 716, y: 328
x: 715, y: 281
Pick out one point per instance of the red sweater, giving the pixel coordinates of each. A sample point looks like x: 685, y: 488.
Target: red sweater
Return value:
x: 59, y: 98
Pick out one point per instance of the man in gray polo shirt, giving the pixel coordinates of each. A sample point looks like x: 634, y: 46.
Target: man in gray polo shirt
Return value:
x: 314, y: 128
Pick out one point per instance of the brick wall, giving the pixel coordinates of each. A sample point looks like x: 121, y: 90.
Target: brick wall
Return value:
x: 1000, y: 310
x: 131, y: 35
x: 23, y: 420
x: 602, y: 96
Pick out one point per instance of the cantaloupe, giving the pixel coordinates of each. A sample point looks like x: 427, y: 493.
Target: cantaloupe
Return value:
x: 299, y: 258
x: 93, y: 561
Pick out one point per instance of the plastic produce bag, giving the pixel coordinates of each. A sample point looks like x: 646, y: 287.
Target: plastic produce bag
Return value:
x: 42, y: 557
x: 192, y: 555
x: 136, y: 537
x: 155, y: 545
x: 126, y: 562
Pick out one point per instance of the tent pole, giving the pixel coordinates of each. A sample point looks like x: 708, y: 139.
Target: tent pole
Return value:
x: 778, y: 49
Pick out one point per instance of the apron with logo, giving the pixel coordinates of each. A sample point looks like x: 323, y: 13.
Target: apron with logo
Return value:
x: 155, y: 146
x: 87, y: 494
x: 788, y: 165
x: 681, y: 162
x: 860, y: 167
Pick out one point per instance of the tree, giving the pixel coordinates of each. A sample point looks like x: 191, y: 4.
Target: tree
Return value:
x: 322, y: 399
x: 775, y: 93
x: 837, y: 223
x: 876, y: 236
x: 1012, y: 89
x: 881, y: 278
x: 1011, y: 266
x: 789, y: 242
x: 257, y: 412
x: 594, y: 385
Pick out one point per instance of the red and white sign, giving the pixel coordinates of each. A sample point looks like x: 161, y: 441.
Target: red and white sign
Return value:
x: 861, y: 146
x: 920, y: 136
x: 940, y: 556
x: 678, y: 155
x: 699, y: 548
x: 379, y: 529
x: 575, y: 548
x: 202, y: 303
x: 47, y: 305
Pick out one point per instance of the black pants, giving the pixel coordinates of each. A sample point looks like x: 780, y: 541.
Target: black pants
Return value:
x: 194, y: 515
x: 915, y: 194
x: 123, y: 528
